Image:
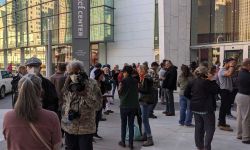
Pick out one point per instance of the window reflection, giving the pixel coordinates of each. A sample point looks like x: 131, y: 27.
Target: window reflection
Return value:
x: 218, y: 21
x: 1, y: 59
x: 14, y: 58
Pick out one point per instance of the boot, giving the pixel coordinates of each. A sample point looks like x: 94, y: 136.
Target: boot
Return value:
x: 149, y: 142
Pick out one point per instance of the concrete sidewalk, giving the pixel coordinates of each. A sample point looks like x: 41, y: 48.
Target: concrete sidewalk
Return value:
x: 167, y: 134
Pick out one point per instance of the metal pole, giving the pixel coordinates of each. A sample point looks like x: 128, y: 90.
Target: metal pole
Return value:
x: 49, y: 52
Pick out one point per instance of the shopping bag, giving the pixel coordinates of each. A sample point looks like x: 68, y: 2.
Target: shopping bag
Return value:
x: 137, y: 133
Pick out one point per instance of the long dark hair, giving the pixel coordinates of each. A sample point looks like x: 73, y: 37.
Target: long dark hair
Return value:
x: 185, y: 71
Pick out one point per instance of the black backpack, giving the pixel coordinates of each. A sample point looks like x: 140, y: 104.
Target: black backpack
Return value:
x: 14, y: 88
x: 49, y: 98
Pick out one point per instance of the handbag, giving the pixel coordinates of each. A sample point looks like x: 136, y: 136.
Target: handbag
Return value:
x: 39, y: 136
x: 146, y: 98
x: 137, y: 133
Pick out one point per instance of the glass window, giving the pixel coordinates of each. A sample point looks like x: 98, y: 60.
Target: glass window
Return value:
x: 2, y: 10
x: 2, y: 59
x: 51, y: 22
x: 96, y: 3
x: 65, y: 36
x: 21, y: 4
x: 21, y: 16
x: 65, y: 20
x: 97, y: 33
x: 11, y: 42
x: 34, y: 12
x: 200, y: 24
x: 14, y: 58
x: 34, y: 26
x: 205, y: 55
x: 221, y: 21
x: 3, y: 38
x: 33, y: 2
x: 49, y: 9
x: 10, y: 7
x: 34, y: 38
x: 3, y: 22
x: 22, y: 34
x: 5, y: 74
x: 97, y: 15
x: 64, y: 6
x: 10, y: 19
x: 109, y: 32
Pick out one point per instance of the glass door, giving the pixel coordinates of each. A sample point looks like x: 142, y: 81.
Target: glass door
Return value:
x: 236, y: 54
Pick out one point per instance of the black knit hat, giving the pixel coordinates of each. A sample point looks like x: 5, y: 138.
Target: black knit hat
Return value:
x: 98, y: 73
x: 128, y: 69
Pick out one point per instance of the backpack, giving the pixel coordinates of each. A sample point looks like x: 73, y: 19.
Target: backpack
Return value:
x: 49, y: 97
x: 14, y: 88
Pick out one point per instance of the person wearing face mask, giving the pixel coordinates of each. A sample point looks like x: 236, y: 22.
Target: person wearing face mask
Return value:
x: 82, y: 98
x: 49, y: 94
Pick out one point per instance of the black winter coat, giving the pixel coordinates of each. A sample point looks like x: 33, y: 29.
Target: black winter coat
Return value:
x: 201, y: 93
x: 170, y: 79
x: 49, y: 96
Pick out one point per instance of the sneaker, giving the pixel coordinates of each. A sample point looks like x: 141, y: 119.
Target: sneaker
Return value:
x: 106, y: 113
x: 231, y: 117
x: 164, y: 112
x: 190, y: 125
x: 152, y: 116
x: 226, y: 125
x: 225, y: 128
x: 180, y: 124
x: 122, y: 144
x: 103, y: 119
x: 110, y: 111
x: 170, y: 114
x: 97, y: 136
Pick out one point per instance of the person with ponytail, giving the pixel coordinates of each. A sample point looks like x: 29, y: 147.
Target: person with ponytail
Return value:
x: 28, y: 126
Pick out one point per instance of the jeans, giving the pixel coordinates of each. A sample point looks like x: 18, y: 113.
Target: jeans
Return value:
x: 204, y: 130
x: 170, y: 102
x: 226, y: 100
x: 155, y: 100
x: 98, y: 117
x: 163, y: 95
x: 145, y: 119
x: 79, y: 142
x: 114, y: 88
x: 185, y: 112
x: 127, y: 117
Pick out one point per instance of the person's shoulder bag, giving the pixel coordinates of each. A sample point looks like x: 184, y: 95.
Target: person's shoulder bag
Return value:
x: 39, y: 136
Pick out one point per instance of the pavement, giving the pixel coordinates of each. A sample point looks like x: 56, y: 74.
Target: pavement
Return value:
x: 167, y: 134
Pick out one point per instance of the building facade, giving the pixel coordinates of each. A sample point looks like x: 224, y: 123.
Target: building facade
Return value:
x: 127, y: 31
x: 219, y: 29
x: 24, y: 28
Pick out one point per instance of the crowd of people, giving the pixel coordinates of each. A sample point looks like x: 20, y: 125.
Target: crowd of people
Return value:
x: 71, y: 104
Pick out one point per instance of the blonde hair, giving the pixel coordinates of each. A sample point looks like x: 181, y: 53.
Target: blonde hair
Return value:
x: 28, y: 101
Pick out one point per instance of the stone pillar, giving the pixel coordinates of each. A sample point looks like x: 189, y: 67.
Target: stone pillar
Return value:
x: 174, y: 30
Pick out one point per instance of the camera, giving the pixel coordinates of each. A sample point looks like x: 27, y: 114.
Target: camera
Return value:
x: 80, y: 85
x: 73, y: 115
